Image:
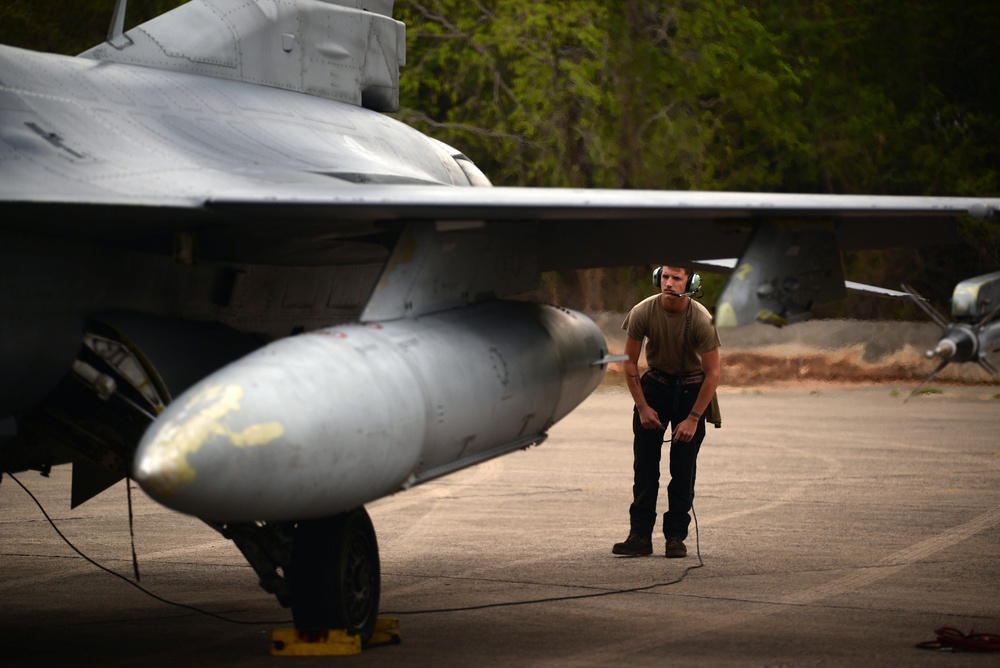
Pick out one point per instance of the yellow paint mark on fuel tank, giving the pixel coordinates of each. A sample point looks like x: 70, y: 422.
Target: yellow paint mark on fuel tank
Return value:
x: 200, y: 419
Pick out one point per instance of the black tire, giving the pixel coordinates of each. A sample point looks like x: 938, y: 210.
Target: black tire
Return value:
x: 334, y: 575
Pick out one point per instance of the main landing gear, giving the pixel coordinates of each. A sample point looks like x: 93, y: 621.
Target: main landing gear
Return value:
x: 334, y: 575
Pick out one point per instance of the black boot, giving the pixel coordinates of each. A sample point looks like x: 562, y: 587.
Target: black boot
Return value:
x: 634, y: 546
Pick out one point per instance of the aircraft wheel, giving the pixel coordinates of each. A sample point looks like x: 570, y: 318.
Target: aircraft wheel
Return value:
x: 334, y: 574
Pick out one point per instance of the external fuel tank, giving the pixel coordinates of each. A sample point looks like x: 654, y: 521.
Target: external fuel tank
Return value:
x: 317, y: 424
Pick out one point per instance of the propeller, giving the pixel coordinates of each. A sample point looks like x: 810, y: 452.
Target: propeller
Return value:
x: 960, y: 342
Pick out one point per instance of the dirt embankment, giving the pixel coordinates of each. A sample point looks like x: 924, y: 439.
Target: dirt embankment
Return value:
x: 836, y: 351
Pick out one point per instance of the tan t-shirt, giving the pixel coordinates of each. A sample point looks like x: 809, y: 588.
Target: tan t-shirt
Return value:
x: 664, y: 335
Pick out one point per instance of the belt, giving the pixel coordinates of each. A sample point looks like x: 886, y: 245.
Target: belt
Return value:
x: 674, y: 381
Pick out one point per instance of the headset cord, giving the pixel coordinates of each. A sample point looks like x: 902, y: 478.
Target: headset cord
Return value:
x: 673, y: 413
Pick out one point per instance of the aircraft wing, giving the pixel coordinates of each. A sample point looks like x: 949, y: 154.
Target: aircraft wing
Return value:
x: 573, y: 228
x: 130, y: 154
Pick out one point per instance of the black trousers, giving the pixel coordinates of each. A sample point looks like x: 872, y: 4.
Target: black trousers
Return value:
x: 647, y: 446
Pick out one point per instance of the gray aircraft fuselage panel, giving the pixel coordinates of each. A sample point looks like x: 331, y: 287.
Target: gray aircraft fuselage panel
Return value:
x: 87, y: 131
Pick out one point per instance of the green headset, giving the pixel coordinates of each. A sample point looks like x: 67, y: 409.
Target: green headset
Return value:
x: 693, y: 283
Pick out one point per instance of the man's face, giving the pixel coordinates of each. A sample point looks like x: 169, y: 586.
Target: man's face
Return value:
x: 673, y: 280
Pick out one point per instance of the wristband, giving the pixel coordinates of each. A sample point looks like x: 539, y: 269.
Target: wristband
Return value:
x: 696, y: 415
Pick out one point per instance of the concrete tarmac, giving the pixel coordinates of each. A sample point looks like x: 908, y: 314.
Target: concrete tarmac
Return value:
x: 837, y: 526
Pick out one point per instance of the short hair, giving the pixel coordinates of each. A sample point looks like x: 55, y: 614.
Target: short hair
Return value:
x: 687, y: 270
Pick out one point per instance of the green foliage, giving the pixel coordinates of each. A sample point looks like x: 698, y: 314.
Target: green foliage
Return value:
x: 985, y: 238
x: 60, y: 26
x: 652, y: 94
x: 514, y: 85
x: 880, y: 97
x: 899, y: 99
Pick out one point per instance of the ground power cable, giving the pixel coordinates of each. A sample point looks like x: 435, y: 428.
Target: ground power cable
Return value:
x: 125, y: 579
x: 571, y: 597
x: 484, y: 606
x: 610, y: 592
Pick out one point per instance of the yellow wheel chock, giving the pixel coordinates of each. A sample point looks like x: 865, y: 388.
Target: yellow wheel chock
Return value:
x: 331, y: 642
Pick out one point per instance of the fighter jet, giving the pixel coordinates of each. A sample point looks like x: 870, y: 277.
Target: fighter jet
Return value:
x: 227, y: 274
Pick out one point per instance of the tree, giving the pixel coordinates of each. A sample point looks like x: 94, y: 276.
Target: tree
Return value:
x: 886, y: 97
x: 675, y: 95
x: 69, y: 27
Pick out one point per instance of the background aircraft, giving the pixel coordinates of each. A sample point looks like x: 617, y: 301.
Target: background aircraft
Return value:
x: 193, y: 212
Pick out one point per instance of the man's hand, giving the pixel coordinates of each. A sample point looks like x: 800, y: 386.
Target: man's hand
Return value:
x: 684, y: 432
x: 649, y: 418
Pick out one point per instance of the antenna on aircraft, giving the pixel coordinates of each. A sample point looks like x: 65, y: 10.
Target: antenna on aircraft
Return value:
x: 116, y: 33
x: 976, y: 332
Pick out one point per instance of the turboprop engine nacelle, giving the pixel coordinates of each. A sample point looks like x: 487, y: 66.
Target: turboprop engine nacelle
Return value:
x: 317, y: 424
x: 975, y: 303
